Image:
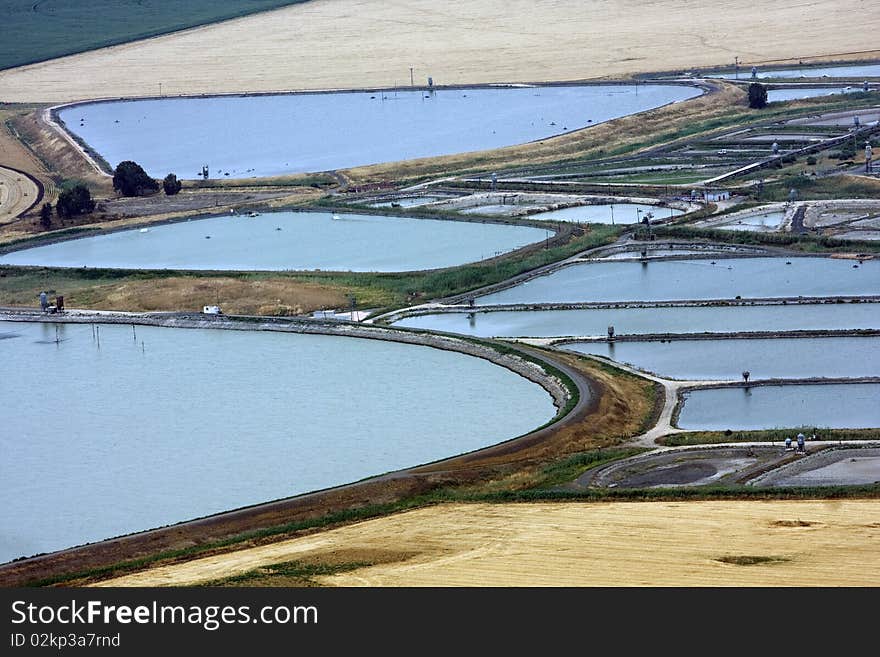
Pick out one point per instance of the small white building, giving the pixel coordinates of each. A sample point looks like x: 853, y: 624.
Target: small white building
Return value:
x: 713, y: 195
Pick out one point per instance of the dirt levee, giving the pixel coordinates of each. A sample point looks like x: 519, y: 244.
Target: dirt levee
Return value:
x: 345, y: 43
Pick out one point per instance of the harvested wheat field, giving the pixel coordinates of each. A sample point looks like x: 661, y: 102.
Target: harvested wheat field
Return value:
x: 17, y: 194
x: 706, y: 543
x: 343, y: 43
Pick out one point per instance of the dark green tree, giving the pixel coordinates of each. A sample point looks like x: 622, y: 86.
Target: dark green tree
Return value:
x: 74, y: 201
x: 757, y: 95
x: 131, y: 180
x: 46, y: 215
x: 171, y: 184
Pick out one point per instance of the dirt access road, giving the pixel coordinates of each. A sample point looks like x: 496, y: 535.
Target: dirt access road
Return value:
x: 712, y: 543
x: 327, y: 44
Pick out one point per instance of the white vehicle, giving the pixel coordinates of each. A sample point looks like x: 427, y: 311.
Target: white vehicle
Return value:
x: 212, y: 310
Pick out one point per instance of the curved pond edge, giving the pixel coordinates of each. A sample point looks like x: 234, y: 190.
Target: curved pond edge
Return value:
x: 543, y: 374
x: 574, y: 395
x: 51, y: 115
x: 560, y: 232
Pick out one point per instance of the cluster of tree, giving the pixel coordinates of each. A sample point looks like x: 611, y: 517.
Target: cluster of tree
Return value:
x: 757, y: 95
x: 74, y: 201
x: 171, y: 184
x: 130, y: 179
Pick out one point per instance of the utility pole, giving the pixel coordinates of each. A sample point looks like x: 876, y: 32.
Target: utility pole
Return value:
x: 411, y: 82
x: 736, y: 67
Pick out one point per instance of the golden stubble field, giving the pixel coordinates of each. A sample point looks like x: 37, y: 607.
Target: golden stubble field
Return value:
x: 360, y: 43
x: 697, y: 543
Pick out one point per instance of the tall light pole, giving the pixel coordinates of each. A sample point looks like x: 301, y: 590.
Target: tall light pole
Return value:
x: 736, y: 67
x: 411, y: 82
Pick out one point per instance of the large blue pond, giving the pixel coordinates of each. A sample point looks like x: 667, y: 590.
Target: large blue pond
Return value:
x: 287, y: 240
x: 112, y: 429
x: 245, y: 136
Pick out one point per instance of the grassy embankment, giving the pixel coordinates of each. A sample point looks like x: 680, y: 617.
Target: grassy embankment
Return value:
x: 823, y: 436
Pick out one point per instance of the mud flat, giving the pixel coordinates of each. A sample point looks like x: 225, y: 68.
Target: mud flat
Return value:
x: 830, y: 467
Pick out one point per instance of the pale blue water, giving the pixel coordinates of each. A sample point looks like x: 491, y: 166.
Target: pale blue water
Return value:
x: 290, y: 133
x: 164, y: 425
x: 853, y: 71
x: 616, y: 213
x: 288, y: 240
x: 833, y: 406
x: 696, y: 279
x: 549, y: 323
x: 774, y: 95
x: 779, y: 358
x: 410, y: 202
x: 769, y: 221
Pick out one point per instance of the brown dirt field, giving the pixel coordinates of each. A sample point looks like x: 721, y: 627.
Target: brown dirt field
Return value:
x: 17, y: 193
x: 343, y: 43
x: 265, y: 296
x: 13, y: 153
x: 706, y: 543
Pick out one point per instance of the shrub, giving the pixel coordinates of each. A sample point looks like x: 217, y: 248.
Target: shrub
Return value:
x: 74, y: 201
x: 171, y: 184
x: 757, y: 95
x: 131, y: 180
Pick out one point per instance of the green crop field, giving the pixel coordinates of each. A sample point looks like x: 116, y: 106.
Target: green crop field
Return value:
x: 36, y: 30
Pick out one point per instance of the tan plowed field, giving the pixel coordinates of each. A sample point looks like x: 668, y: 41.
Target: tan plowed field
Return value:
x: 705, y: 543
x: 359, y: 43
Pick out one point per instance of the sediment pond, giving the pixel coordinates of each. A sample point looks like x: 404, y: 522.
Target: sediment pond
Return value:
x: 287, y: 241
x: 693, y: 319
x: 776, y: 358
x: 843, y: 405
x: 267, y: 135
x: 796, y: 93
x: 610, y: 213
x: 724, y: 278
x: 111, y: 429
x: 839, y: 71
